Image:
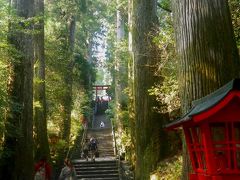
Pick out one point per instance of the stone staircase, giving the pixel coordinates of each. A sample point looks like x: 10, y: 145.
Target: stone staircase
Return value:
x: 104, y: 167
x: 100, y: 169
x: 105, y: 141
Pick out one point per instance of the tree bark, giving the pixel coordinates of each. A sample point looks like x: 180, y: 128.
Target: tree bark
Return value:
x: 18, y: 147
x: 69, y: 82
x: 207, y: 51
x: 131, y: 105
x: 149, y: 134
x: 39, y: 90
x: 120, y: 75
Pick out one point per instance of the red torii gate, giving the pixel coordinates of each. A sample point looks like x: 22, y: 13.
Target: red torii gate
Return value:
x: 100, y: 87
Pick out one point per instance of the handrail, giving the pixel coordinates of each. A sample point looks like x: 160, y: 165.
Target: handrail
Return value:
x: 114, y: 140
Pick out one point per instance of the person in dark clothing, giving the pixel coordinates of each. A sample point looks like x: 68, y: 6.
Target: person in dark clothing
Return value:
x: 93, y: 148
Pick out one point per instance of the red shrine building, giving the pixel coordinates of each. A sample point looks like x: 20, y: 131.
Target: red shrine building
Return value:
x: 212, y: 132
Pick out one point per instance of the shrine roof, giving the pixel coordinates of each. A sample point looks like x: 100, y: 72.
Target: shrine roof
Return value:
x: 206, y: 102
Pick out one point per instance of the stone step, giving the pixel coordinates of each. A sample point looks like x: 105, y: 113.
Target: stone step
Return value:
x: 106, y: 155
x: 108, y: 175
x: 105, y: 150
x: 101, y: 178
x: 102, y: 150
x: 96, y: 171
x: 107, y: 136
x: 95, y: 165
x: 105, y: 143
x: 107, y: 147
x: 99, y: 130
x: 97, y: 162
x: 103, y: 136
x: 94, y: 168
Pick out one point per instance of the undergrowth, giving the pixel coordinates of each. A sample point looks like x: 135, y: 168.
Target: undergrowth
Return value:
x: 169, y: 169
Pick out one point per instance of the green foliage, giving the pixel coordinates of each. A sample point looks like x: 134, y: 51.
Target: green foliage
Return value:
x: 165, y: 4
x: 83, y: 70
x: 86, y: 108
x: 110, y: 111
x: 4, y: 59
x: 166, y: 93
x: 235, y: 11
x: 3, y: 25
x: 83, y: 5
x: 61, y: 144
x: 56, y: 147
x: 75, y: 123
x: 124, y: 118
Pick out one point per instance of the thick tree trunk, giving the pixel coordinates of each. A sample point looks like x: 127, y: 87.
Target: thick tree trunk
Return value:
x: 149, y: 135
x: 120, y: 76
x: 39, y: 90
x: 131, y: 105
x: 69, y: 82
x: 118, y: 72
x: 18, y: 147
x: 67, y: 104
x: 207, y: 51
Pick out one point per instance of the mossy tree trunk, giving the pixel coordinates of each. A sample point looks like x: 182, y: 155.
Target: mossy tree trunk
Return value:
x: 67, y: 99
x: 17, y: 162
x: 207, y: 51
x: 120, y: 74
x: 150, y: 137
x: 42, y: 146
x: 132, y: 122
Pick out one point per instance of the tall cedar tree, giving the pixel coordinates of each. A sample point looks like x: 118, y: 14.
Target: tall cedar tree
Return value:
x: 42, y: 145
x: 17, y: 160
x: 120, y: 71
x: 150, y: 137
x: 131, y: 105
x: 207, y: 51
x: 67, y: 99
